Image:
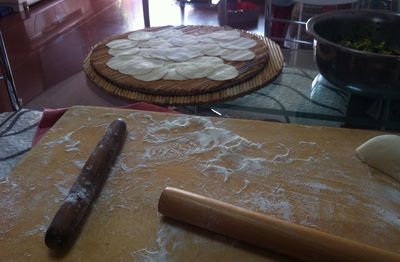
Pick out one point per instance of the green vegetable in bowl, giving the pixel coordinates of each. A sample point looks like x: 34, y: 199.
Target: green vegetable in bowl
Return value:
x: 367, y: 45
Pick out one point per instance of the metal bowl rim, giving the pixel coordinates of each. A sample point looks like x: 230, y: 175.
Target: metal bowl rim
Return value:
x: 315, y: 19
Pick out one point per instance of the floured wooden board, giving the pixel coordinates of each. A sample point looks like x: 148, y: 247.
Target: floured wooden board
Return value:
x: 307, y: 175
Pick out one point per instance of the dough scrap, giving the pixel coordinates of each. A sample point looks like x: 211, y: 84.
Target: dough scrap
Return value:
x: 383, y: 153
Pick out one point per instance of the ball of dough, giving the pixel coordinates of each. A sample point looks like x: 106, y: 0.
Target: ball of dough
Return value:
x: 383, y: 153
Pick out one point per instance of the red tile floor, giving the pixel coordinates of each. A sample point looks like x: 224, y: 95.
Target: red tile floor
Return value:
x: 48, y: 45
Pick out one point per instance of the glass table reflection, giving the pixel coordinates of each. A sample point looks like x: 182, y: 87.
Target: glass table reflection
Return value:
x: 301, y: 95
x: 298, y: 95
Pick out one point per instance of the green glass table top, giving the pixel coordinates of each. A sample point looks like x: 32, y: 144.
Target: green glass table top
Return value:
x: 301, y: 95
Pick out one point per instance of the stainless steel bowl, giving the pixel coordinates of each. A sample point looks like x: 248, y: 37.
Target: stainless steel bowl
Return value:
x: 354, y: 70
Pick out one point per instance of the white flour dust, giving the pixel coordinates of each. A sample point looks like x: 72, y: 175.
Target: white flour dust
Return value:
x: 9, y: 210
x: 70, y: 144
x: 66, y: 140
x: 38, y: 229
x: 390, y: 217
x: 63, y: 186
x: 317, y: 187
x: 79, y: 163
x: 169, y: 239
x: 72, y: 147
x: 303, y: 151
x: 79, y: 194
x: 215, y: 149
x: 274, y: 203
x: 246, y: 183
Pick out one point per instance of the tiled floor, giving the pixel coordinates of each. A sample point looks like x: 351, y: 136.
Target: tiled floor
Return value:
x: 48, y: 46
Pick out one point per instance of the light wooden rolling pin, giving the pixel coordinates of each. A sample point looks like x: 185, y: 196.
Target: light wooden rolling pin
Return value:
x: 264, y: 231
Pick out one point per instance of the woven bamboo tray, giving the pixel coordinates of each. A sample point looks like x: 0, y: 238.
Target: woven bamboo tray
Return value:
x: 253, y: 75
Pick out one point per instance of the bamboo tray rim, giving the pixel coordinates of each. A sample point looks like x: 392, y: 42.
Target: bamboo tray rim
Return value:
x: 267, y: 74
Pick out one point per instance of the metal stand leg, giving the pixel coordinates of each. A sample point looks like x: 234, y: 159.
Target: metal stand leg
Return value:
x: 145, y: 4
x: 8, y: 77
x: 268, y: 17
x: 182, y: 8
x: 223, y: 12
x: 26, y: 7
x: 299, y: 25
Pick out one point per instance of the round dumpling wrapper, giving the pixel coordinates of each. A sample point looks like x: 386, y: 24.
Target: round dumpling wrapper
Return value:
x: 146, y: 52
x: 176, y: 54
x: 123, y: 52
x: 211, y: 60
x: 223, y: 72
x: 225, y: 35
x: 154, y: 43
x: 140, y: 66
x: 237, y: 55
x: 184, y: 40
x: 156, y: 74
x: 118, y: 62
x: 194, y: 70
x: 239, y: 44
x: 142, y: 36
x: 135, y: 69
x: 212, y: 50
x: 160, y: 53
x: 172, y: 74
x: 169, y: 33
x: 206, y: 39
x: 198, y: 48
x: 121, y: 44
x: 182, y: 54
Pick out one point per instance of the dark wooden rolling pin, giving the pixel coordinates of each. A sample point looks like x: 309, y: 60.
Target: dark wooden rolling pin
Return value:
x: 66, y: 222
x: 264, y: 231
